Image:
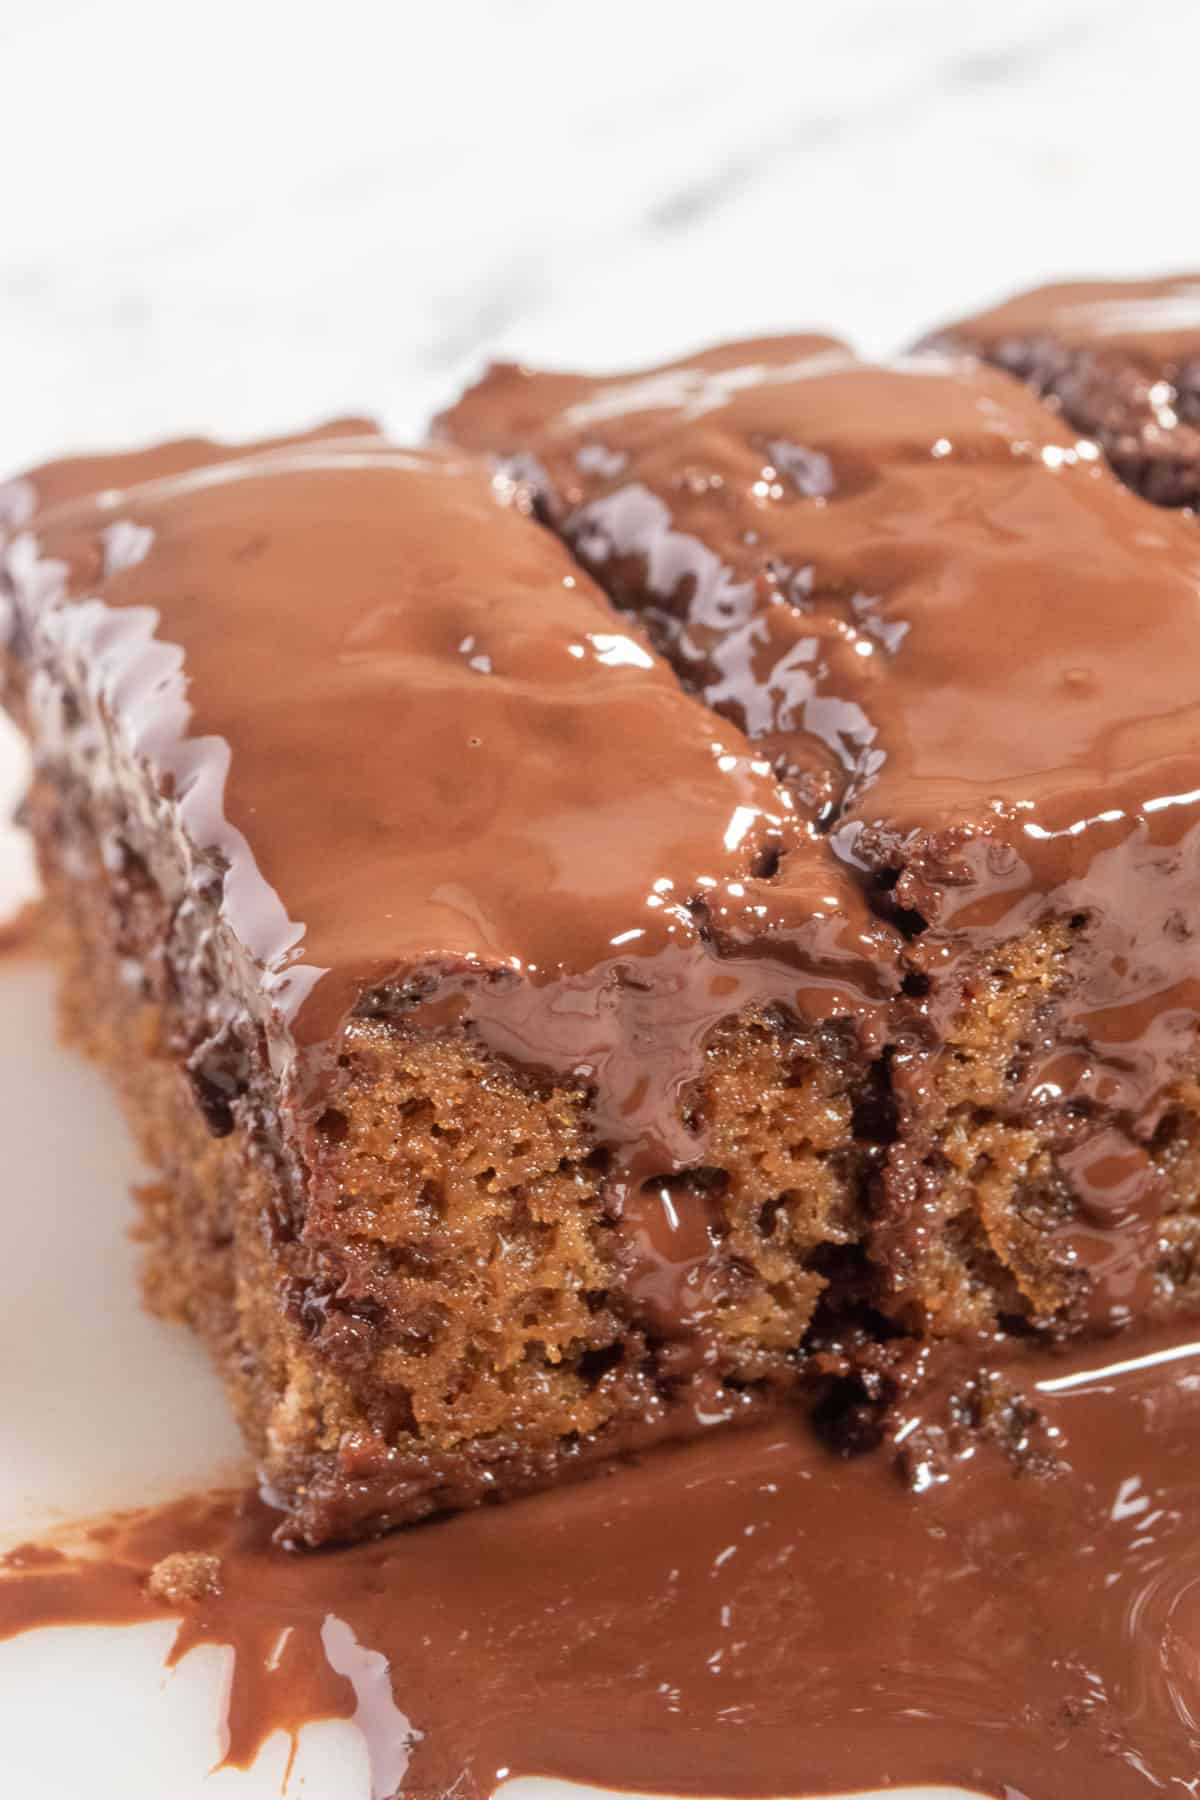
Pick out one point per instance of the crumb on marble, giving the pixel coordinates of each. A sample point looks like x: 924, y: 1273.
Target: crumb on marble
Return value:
x: 185, y: 1577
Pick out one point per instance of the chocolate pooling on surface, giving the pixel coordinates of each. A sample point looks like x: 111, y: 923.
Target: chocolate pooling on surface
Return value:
x: 749, y: 1615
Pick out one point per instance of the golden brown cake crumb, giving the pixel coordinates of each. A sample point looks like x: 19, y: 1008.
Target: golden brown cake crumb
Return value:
x: 186, y: 1577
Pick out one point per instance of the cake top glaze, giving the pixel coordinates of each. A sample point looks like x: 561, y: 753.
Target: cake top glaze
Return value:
x: 399, y: 724
x: 913, y: 577
x: 1155, y: 322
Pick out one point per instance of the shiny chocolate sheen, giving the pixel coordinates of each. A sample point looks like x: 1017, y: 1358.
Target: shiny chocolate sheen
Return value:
x: 827, y: 538
x: 387, y: 719
x: 1119, y: 359
x: 749, y: 1616
x: 966, y: 647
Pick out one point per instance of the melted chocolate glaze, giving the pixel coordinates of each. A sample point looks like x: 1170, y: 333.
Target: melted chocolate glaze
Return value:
x: 353, y: 695
x: 1121, y: 359
x: 746, y: 1616
x: 965, y: 648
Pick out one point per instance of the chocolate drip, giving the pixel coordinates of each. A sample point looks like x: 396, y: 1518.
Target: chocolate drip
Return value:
x: 747, y: 1616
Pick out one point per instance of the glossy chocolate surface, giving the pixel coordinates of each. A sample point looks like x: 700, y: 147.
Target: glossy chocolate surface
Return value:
x: 409, y: 740
x: 962, y: 644
x: 1119, y: 359
x: 912, y: 570
x: 748, y: 1616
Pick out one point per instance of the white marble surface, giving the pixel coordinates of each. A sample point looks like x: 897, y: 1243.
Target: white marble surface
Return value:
x: 244, y: 214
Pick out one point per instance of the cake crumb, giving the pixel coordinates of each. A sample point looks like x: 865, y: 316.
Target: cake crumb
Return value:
x: 186, y: 1577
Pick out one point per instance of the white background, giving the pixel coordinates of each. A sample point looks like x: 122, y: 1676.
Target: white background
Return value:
x: 235, y: 217
x: 240, y: 215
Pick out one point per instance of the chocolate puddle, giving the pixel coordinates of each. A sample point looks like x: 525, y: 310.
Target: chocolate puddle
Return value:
x: 748, y: 1615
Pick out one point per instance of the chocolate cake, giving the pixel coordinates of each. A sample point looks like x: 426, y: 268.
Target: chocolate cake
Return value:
x: 1119, y: 359
x: 674, y: 901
